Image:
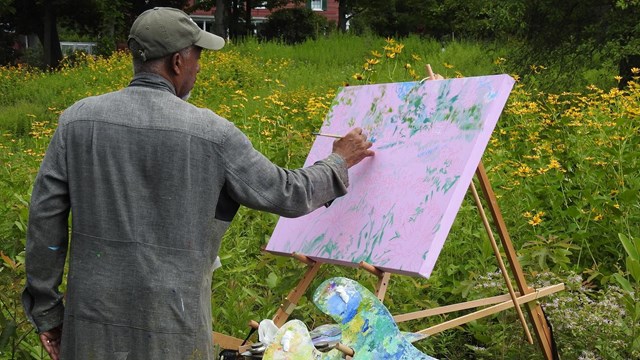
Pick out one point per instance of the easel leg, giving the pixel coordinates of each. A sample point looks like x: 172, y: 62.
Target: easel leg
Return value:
x: 289, y: 303
x: 540, y: 324
x: 496, y: 251
x: 381, y: 288
x: 383, y: 279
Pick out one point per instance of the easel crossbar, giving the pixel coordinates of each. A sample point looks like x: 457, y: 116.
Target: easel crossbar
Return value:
x: 451, y: 308
x: 492, y: 309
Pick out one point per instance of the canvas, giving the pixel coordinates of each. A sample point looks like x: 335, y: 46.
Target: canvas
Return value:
x: 429, y: 138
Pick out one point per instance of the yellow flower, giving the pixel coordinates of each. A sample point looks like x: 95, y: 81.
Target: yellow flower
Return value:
x: 373, y: 61
x: 376, y: 54
x: 598, y: 217
x: 524, y: 170
x: 537, y: 219
x: 357, y: 76
x: 527, y: 214
x: 635, y: 70
x: 499, y: 61
x: 536, y: 68
x: 554, y: 164
x: 416, y: 57
x: 447, y: 65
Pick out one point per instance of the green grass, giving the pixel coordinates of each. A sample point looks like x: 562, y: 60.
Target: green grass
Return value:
x: 563, y: 165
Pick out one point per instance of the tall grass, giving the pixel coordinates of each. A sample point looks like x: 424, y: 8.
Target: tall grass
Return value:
x: 563, y: 165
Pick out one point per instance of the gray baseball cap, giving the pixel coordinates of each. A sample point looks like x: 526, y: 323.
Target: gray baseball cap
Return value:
x: 163, y: 31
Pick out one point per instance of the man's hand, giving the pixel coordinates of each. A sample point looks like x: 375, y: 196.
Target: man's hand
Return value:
x: 51, y: 342
x: 353, y: 147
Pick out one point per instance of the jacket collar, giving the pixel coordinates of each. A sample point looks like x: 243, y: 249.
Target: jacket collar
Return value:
x: 153, y: 81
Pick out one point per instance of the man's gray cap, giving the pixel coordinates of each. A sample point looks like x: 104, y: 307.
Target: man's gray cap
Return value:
x: 163, y: 31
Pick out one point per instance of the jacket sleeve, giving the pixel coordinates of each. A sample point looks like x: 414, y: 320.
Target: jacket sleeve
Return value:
x: 254, y: 181
x: 47, y: 238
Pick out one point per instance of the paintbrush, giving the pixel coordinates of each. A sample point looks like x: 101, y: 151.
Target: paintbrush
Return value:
x: 327, y: 135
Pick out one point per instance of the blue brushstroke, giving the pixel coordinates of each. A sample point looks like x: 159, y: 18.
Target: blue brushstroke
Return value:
x: 347, y: 311
x: 390, y: 145
x: 54, y: 248
x: 365, y: 326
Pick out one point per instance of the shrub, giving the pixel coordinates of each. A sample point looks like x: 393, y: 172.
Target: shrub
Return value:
x: 294, y: 25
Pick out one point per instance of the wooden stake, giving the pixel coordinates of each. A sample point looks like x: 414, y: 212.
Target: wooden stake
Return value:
x: 496, y: 250
x: 226, y: 341
x: 540, y: 325
x: 492, y: 310
x: 451, y: 308
x: 383, y: 283
x: 383, y: 279
x: 289, y: 303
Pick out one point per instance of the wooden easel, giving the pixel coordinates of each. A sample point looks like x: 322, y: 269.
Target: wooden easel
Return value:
x: 525, y: 296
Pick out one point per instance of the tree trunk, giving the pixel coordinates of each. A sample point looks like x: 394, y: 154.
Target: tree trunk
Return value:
x: 342, y: 15
x: 234, y: 19
x: 49, y: 38
x: 220, y: 25
x: 247, y: 17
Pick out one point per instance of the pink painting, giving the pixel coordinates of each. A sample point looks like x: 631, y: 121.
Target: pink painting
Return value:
x: 429, y: 138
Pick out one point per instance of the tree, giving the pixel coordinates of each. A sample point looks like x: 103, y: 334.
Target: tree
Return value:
x: 390, y: 17
x: 584, y: 30
x: 7, y: 36
x: 106, y: 19
x: 40, y: 17
x: 233, y: 17
x: 293, y: 25
x: 347, y: 9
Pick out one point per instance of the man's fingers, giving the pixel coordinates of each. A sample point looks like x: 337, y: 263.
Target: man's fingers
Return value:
x: 52, y: 346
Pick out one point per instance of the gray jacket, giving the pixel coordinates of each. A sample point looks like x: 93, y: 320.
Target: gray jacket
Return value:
x: 153, y: 183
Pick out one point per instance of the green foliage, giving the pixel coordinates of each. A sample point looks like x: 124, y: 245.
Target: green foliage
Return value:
x: 293, y: 25
x: 593, y: 323
x: 563, y: 166
x: 631, y: 286
x: 547, y: 253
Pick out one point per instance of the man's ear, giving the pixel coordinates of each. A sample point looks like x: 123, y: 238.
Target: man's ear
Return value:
x: 176, y: 62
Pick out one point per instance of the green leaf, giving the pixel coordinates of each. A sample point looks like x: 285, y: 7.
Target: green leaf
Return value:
x: 18, y: 225
x: 633, y: 267
x: 252, y: 293
x: 630, y: 247
x: 272, y: 280
x: 8, y: 331
x: 573, y: 211
x: 628, y: 195
x: 624, y: 283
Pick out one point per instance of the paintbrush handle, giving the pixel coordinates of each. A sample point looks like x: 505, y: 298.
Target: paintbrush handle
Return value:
x: 327, y: 135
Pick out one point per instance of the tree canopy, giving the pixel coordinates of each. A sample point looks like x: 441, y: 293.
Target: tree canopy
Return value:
x: 545, y: 26
x: 104, y: 19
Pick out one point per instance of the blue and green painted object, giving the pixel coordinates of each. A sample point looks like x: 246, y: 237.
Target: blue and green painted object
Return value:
x: 367, y: 325
x: 293, y: 342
